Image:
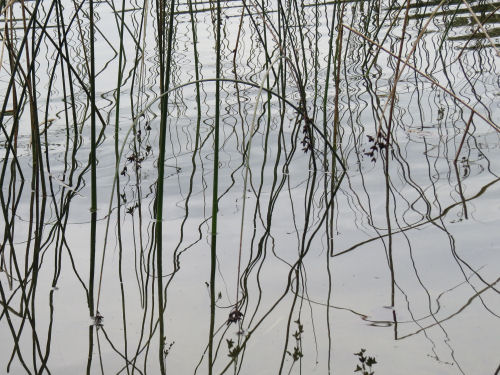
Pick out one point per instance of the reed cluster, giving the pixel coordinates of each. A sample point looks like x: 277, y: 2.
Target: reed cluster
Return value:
x: 144, y: 130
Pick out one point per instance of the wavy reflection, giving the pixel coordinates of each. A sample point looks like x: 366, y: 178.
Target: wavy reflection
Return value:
x: 351, y: 201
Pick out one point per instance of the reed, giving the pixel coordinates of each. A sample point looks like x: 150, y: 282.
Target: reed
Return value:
x: 165, y: 77
x: 215, y: 191
x: 93, y: 182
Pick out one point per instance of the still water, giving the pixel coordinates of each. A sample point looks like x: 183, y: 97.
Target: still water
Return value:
x: 357, y: 193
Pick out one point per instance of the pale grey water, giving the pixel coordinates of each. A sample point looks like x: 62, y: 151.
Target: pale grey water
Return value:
x: 445, y: 316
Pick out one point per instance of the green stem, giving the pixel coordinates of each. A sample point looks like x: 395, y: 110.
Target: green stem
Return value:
x: 213, y: 245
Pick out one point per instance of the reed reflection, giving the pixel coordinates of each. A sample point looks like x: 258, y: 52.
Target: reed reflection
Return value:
x: 247, y: 186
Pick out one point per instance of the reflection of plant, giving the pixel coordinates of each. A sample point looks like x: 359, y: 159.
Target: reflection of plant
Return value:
x: 377, y: 146
x: 297, y: 350
x: 98, y: 320
x: 234, y: 317
x: 366, y: 363
x: 233, y: 350
x: 167, y: 347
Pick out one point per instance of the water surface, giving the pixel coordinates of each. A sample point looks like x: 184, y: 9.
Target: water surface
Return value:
x: 369, y: 217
